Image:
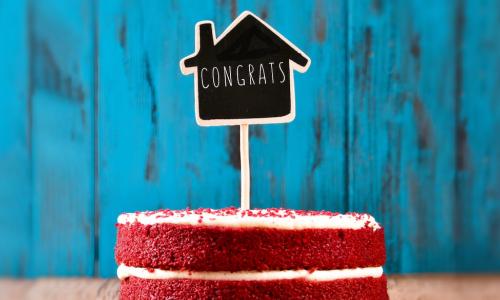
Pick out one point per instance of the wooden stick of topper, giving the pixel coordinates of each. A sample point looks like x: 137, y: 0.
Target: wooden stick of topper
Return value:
x: 243, y: 77
x: 245, y: 167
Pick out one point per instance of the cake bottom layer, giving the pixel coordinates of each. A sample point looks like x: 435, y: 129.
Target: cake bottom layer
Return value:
x: 357, y: 288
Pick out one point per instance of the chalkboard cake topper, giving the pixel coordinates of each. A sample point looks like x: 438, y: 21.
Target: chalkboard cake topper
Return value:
x: 243, y: 77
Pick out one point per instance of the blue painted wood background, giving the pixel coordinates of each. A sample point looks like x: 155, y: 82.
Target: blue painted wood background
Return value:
x: 399, y: 116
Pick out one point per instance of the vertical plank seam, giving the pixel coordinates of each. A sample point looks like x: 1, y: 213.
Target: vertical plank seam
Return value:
x: 95, y: 135
x: 458, y: 134
x: 29, y: 132
x: 347, y: 107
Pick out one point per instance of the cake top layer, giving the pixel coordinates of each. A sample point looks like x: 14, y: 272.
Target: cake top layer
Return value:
x: 266, y: 218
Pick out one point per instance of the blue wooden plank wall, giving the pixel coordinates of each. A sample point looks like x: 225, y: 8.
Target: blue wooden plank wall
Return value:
x: 398, y: 116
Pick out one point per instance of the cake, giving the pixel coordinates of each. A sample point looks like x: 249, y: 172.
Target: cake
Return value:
x: 250, y: 254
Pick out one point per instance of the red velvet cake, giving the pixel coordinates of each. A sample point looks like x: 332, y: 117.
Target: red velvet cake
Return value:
x: 250, y: 254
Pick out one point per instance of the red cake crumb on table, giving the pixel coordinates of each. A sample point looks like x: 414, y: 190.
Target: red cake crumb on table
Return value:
x: 359, y: 289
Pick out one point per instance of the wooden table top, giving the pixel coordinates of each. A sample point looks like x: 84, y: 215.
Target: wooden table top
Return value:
x: 422, y: 287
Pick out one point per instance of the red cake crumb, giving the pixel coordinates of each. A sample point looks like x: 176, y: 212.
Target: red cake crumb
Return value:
x: 213, y: 248
x: 231, y: 211
x: 359, y: 288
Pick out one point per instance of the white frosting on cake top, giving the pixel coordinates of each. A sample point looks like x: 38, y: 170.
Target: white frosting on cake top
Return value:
x: 262, y: 218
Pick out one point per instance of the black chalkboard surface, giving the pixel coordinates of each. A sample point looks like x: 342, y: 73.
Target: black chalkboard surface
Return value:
x: 245, y: 76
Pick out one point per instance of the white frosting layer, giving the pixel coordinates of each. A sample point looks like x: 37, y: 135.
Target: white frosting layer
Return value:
x: 267, y: 218
x: 318, y: 275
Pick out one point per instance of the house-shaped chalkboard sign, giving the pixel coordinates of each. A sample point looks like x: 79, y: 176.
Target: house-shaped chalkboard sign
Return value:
x: 244, y: 76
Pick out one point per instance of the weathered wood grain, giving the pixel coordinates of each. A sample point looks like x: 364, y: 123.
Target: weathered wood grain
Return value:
x: 440, y: 287
x: 403, y: 148
x: 398, y: 116
x: 61, y: 91
x: 477, y: 124
x: 15, y: 140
